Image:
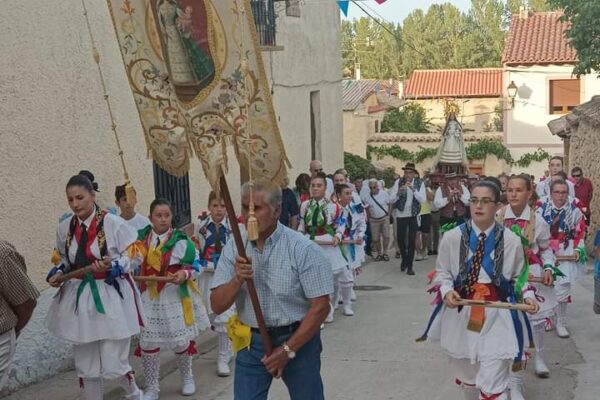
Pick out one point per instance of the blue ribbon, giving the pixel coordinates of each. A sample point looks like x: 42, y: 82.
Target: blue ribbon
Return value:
x: 111, y: 278
x: 434, y: 315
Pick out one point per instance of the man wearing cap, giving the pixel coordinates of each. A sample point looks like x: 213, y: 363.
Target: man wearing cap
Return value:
x: 452, y: 199
x: 407, y: 195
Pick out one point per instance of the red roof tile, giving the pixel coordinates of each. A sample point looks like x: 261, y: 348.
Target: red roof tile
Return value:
x: 481, y: 82
x: 538, y: 38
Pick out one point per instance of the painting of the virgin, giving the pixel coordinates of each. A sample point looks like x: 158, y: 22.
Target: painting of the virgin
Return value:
x: 183, y: 27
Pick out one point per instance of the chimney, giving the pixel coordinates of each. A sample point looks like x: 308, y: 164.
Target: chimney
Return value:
x: 401, y: 89
x: 524, y: 12
x: 357, y: 71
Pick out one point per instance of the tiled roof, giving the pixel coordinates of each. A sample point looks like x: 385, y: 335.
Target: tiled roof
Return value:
x: 538, y: 38
x: 357, y: 91
x: 428, y: 137
x: 435, y: 83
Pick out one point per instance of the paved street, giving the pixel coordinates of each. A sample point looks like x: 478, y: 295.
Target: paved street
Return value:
x: 374, y: 355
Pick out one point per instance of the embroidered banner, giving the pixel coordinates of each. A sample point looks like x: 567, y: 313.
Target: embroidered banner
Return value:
x: 198, y: 79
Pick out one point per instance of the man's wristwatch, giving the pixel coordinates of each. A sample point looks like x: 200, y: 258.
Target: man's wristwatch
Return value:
x: 288, y: 350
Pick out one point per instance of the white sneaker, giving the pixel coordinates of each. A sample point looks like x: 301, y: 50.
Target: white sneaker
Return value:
x: 188, y: 387
x: 223, y: 369
x: 150, y: 394
x: 347, y: 311
x: 562, y: 331
x: 329, y: 318
x: 541, y: 369
x: 516, y: 386
x: 419, y: 257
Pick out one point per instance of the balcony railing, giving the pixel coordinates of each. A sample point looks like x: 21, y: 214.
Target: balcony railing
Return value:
x: 264, y: 18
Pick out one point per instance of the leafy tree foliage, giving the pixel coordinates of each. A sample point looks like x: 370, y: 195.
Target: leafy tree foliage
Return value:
x: 584, y: 34
x: 410, y: 118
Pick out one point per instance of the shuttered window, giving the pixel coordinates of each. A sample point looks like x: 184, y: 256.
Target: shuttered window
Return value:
x: 564, y: 95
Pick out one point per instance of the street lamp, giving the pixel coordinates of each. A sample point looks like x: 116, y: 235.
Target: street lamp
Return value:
x: 512, y: 93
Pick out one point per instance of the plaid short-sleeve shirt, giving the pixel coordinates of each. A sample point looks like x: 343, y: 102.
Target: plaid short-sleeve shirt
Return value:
x: 289, y: 272
x: 15, y: 286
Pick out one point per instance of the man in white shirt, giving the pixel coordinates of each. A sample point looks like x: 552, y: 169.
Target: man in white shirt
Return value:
x: 378, y: 205
x: 407, y: 195
x: 452, y: 199
x: 555, y: 166
x: 314, y: 168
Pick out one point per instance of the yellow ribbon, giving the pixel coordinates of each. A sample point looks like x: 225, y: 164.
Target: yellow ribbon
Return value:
x: 239, y: 334
x: 137, y: 249
x: 55, y: 259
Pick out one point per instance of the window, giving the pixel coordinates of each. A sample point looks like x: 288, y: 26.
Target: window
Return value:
x: 292, y: 8
x: 177, y: 191
x: 264, y: 19
x: 564, y: 95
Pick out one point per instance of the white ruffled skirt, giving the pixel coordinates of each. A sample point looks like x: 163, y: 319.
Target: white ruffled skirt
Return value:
x: 165, y: 324
x: 83, y: 323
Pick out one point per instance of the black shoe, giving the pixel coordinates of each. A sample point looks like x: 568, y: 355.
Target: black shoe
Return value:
x: 410, y: 271
x: 430, y: 253
x: 398, y: 255
x: 402, y: 267
x: 435, y: 253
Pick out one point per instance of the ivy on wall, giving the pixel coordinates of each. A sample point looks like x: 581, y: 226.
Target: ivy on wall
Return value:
x: 475, y: 151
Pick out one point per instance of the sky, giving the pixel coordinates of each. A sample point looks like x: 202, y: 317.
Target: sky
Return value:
x: 397, y: 10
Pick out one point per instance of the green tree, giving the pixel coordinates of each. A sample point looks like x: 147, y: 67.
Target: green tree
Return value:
x: 483, y: 40
x: 410, y: 118
x: 376, y: 49
x: 584, y: 34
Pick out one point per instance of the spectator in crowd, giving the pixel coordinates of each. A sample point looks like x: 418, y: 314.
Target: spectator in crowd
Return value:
x: 555, y: 167
x: 302, y: 189
x: 290, y: 209
x: 315, y: 167
x: 503, y: 178
x: 584, y: 191
x: 435, y: 222
x: 407, y: 194
x: 378, y: 207
x: 452, y: 199
x: 17, y: 301
x: 424, y: 220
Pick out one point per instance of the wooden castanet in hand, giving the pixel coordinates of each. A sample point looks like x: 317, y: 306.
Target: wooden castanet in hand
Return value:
x: 567, y: 258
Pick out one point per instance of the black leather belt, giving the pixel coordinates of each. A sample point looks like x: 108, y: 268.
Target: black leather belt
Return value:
x: 280, y: 330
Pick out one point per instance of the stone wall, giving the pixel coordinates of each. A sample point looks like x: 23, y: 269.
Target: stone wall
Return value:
x: 585, y: 142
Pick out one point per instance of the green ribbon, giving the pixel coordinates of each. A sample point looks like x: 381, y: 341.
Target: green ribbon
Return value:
x: 583, y: 257
x: 516, y: 229
x: 89, y: 279
x: 556, y: 272
x: 524, y: 277
x: 314, y: 207
x: 447, y: 227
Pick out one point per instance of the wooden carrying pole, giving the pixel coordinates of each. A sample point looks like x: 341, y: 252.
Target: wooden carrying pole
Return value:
x: 495, y: 304
x: 237, y: 236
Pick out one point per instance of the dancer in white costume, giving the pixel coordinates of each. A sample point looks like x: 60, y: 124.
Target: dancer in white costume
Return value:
x: 174, y: 310
x: 320, y: 220
x: 567, y: 231
x: 212, y: 232
x: 100, y: 312
x: 356, y: 227
x: 480, y: 260
x: 535, y: 233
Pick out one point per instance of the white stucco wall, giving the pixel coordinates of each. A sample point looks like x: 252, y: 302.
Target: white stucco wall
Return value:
x: 310, y: 61
x: 525, y: 125
x: 55, y: 123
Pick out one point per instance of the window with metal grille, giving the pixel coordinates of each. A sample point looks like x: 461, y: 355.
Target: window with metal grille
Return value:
x: 564, y: 95
x: 292, y: 8
x: 177, y: 191
x: 264, y: 19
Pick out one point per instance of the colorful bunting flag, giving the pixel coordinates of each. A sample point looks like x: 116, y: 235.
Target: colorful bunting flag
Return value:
x: 344, y: 6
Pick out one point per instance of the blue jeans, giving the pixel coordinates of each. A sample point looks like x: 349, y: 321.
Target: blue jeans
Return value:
x: 302, y: 375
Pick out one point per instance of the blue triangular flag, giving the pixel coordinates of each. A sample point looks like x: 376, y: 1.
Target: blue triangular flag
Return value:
x: 344, y: 6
